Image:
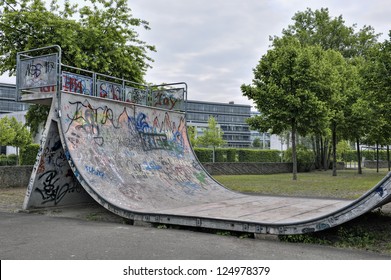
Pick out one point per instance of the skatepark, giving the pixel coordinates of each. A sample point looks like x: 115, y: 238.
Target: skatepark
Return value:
x: 125, y: 146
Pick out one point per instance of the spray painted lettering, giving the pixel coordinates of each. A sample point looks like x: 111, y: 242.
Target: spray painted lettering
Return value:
x: 89, y: 119
x: 76, y: 83
x: 168, y: 99
x: 110, y: 90
x: 53, y: 192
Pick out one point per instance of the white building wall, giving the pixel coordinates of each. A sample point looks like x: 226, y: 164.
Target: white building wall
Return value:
x: 276, y: 143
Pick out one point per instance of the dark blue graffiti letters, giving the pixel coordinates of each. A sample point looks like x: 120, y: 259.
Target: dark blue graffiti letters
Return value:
x: 155, y: 137
x: 35, y: 70
x: 380, y: 191
x: 94, y: 171
x: 151, y: 166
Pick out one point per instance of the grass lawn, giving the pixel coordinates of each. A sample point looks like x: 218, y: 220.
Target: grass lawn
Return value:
x: 371, y: 231
x: 347, y: 184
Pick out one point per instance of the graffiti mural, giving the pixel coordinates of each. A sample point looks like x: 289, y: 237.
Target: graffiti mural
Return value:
x: 136, y: 95
x: 37, y: 72
x: 53, y: 182
x: 77, y: 83
x: 170, y: 99
x: 115, y: 144
x: 109, y: 90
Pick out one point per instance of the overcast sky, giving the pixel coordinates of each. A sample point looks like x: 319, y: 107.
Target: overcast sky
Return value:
x: 213, y: 45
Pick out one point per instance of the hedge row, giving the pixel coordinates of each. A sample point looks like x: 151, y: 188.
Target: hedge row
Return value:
x: 27, y: 156
x: 252, y: 155
x: 367, y: 154
x: 8, y: 160
x: 237, y: 155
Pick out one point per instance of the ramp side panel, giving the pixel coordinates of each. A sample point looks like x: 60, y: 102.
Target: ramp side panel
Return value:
x: 137, y: 158
x: 52, y: 182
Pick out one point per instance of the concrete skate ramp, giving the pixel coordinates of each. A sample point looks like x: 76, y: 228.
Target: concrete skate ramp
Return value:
x: 137, y: 162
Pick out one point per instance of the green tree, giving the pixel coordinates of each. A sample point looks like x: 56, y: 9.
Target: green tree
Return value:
x: 285, y: 86
x: 7, y: 132
x: 343, y: 90
x: 359, y: 111
x: 319, y: 28
x: 192, y: 134
x: 36, y: 116
x: 100, y: 36
x: 257, y: 143
x: 377, y: 84
x: 14, y: 133
x: 212, y: 136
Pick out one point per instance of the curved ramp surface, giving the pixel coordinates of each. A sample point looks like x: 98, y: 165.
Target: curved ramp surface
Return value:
x: 137, y: 162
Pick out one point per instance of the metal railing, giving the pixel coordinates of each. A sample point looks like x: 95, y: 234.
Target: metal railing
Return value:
x: 45, y: 74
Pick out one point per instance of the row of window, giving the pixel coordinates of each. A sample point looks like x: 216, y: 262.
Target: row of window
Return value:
x: 218, y: 108
x: 235, y: 128
x: 7, y: 93
x: 236, y: 137
x: 219, y: 118
x: 7, y: 106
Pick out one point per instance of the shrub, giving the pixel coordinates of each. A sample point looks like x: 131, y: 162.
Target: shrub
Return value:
x: 351, y: 155
x: 249, y: 155
x: 28, y: 154
x: 221, y: 155
x: 231, y: 155
x: 3, y: 160
x: 204, y: 154
x: 225, y: 155
x: 11, y: 159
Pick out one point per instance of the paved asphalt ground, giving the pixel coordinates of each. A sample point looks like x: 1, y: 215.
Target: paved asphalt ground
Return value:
x: 43, y: 237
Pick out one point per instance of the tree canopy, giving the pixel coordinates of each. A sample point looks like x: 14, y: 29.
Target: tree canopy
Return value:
x: 14, y: 133
x: 285, y: 86
x: 310, y: 81
x: 100, y: 36
x: 211, y: 136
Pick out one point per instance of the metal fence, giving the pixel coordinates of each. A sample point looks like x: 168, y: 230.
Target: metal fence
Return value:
x: 40, y: 71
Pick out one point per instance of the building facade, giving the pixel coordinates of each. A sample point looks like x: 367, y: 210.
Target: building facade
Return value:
x: 230, y: 117
x: 8, y: 103
x: 11, y: 108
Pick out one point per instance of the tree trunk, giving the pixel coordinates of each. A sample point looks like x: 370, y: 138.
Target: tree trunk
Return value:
x: 388, y: 157
x: 294, y: 156
x: 316, y: 143
x: 377, y: 157
x: 334, y: 132
x: 359, y: 156
x: 315, y: 149
x: 326, y: 154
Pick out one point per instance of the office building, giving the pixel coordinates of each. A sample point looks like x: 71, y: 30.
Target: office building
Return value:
x: 8, y: 103
x: 230, y: 117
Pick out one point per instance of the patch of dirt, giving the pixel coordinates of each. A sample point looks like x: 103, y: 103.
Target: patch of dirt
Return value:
x: 11, y: 199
